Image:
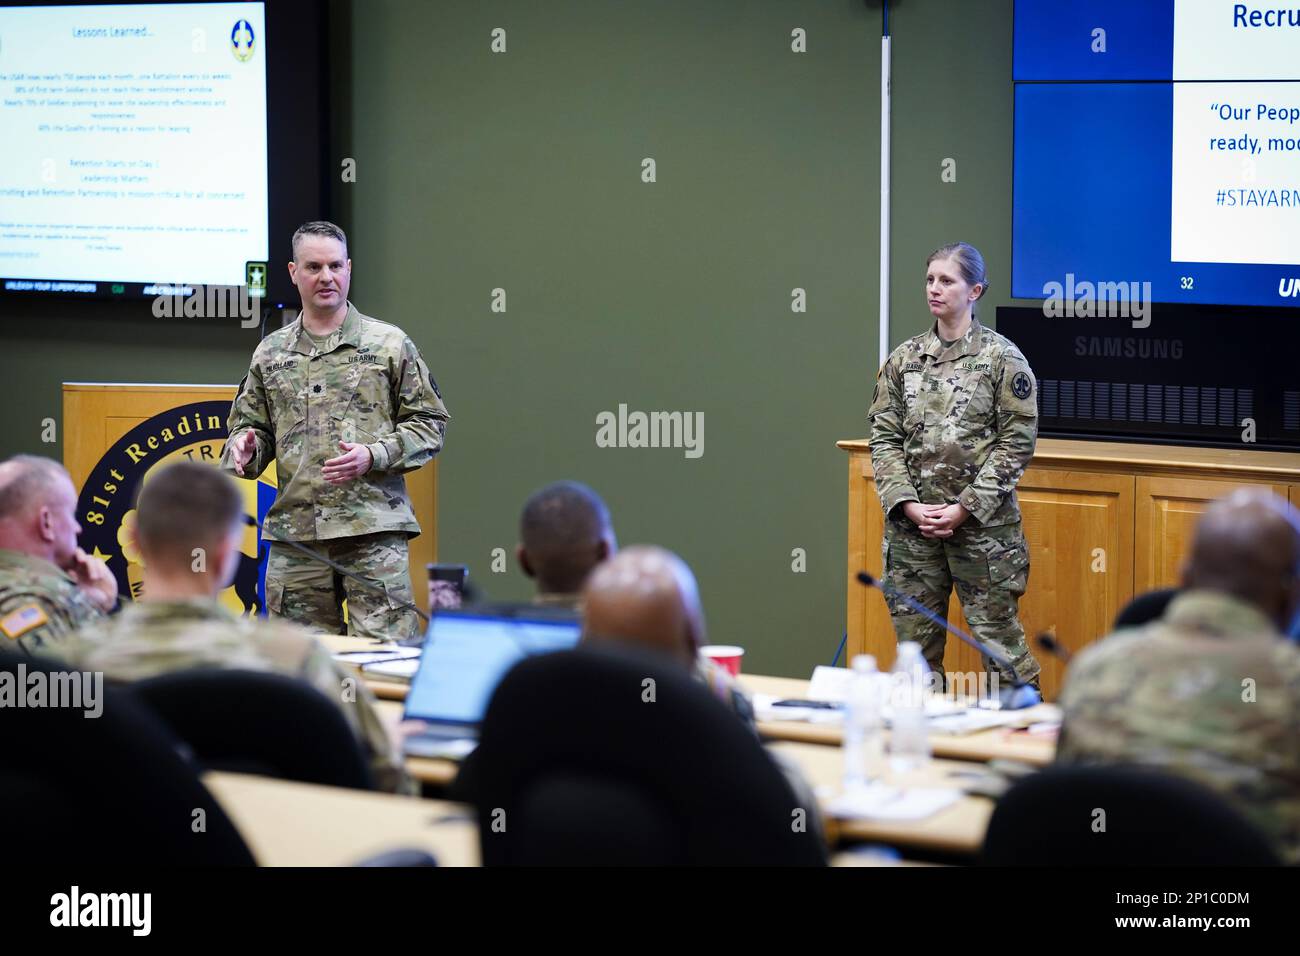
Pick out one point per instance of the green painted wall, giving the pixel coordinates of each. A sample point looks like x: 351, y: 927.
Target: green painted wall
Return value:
x: 521, y: 171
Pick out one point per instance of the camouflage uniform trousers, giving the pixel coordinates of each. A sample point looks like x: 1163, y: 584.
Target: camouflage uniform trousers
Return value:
x: 989, y: 566
x: 311, y: 593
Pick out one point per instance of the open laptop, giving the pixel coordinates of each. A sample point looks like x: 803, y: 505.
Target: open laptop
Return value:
x: 466, y: 653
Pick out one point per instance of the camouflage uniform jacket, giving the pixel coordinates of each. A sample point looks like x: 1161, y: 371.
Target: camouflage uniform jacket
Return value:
x: 954, y: 424
x: 1210, y: 691
x: 39, y: 605
x: 150, y: 638
x: 366, y: 384
x: 565, y: 602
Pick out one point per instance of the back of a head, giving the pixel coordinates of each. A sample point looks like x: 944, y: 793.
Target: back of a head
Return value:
x: 183, y: 507
x: 645, y: 596
x: 564, y: 533
x: 1247, y: 545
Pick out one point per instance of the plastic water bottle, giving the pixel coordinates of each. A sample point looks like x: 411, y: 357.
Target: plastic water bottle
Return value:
x: 864, y: 743
x: 909, y: 743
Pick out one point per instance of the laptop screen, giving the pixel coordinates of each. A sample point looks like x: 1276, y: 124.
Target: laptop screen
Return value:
x: 466, y: 653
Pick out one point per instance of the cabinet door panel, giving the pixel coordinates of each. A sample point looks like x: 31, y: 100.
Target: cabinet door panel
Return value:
x: 1079, y: 529
x: 1167, y: 512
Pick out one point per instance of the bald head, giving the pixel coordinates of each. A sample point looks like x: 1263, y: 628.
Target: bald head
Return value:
x: 564, y: 532
x: 38, y: 504
x: 645, y: 596
x: 1247, y: 544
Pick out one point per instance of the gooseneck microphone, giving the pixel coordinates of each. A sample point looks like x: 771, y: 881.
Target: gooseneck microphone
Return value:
x: 317, y: 556
x: 1048, y: 642
x: 1016, y: 697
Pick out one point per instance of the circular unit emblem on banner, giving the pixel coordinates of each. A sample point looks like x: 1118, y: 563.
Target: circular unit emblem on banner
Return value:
x: 106, y: 507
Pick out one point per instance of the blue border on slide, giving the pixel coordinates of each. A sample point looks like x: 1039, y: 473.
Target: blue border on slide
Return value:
x: 1092, y: 159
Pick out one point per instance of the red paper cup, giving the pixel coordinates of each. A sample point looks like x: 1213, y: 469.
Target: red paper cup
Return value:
x: 726, y: 656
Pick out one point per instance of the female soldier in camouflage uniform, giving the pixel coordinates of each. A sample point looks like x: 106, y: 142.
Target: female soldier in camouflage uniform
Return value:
x: 953, y: 425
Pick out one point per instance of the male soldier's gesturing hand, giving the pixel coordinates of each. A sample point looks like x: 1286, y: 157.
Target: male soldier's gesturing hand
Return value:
x: 355, y: 463
x: 242, y: 451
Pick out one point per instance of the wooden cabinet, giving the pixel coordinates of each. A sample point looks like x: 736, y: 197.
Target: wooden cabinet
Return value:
x: 1104, y: 521
x: 1167, y: 510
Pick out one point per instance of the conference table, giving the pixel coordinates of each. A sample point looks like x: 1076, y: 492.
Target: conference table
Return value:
x: 295, y: 824
x: 286, y: 823
x: 956, y: 831
x: 1015, y: 743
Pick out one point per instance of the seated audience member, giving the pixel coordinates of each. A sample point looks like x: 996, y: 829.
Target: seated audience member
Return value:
x: 48, y: 586
x: 647, y: 596
x: 1210, y: 690
x: 564, y: 533
x: 189, y: 524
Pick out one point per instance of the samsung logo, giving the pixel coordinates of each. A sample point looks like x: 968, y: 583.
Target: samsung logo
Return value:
x: 1128, y: 346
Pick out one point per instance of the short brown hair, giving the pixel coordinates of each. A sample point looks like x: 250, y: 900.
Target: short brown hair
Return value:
x: 186, y: 505
x: 319, y: 227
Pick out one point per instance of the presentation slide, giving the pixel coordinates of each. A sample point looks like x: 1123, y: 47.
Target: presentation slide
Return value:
x: 135, y: 146
x: 1158, y: 142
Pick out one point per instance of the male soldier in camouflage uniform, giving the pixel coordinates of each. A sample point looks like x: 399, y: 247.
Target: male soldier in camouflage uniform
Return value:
x: 647, y: 597
x: 953, y: 425
x: 1211, y: 690
x: 189, y: 529
x: 337, y: 381
x: 48, y: 585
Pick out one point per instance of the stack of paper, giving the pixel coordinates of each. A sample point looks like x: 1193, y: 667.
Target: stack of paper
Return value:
x: 882, y: 802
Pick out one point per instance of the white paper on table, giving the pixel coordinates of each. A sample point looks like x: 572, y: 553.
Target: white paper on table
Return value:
x: 457, y: 749
x: 832, y: 684
x: 362, y: 658
x: 829, y: 683
x: 883, y: 802
x: 972, y: 721
x: 401, y: 670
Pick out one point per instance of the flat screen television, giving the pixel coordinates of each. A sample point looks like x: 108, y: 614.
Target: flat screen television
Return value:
x: 159, y: 149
